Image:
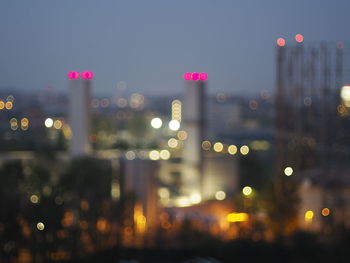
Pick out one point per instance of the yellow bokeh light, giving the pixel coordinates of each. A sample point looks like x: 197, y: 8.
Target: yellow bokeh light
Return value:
x: 195, y: 198
x: 34, y: 199
x: 247, y: 190
x: 288, y: 171
x: 164, y: 154
x: 13, y: 121
x: 182, y: 135
x: 218, y: 147
x: 40, y: 226
x: 244, y: 149
x: 309, y: 215
x: 326, y: 211
x: 8, y: 105
x: 345, y: 95
x: 154, y: 155
x: 130, y: 155
x: 206, y: 145
x: 237, y: 217
x: 13, y: 124
x: 232, y: 149
x: 172, y: 143
x: 57, y: 124
x: 220, y: 195
x: 2, y: 105
x: 24, y: 122
x: 163, y: 193
x: 183, y: 202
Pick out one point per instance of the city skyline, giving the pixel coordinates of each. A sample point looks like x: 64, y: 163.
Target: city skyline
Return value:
x: 150, y: 45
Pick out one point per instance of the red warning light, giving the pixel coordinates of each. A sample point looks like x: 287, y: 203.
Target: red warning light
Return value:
x: 203, y: 76
x: 195, y: 76
x: 299, y: 38
x: 73, y: 74
x: 87, y: 75
x: 281, y: 42
x: 340, y: 45
x: 187, y: 76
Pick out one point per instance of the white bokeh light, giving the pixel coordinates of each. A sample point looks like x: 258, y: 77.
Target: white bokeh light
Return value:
x: 174, y: 125
x: 156, y: 123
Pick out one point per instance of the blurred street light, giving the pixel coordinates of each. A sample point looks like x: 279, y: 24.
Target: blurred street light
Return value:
x: 172, y: 143
x: 232, y: 149
x: 309, y: 215
x: 48, y: 123
x: 220, y: 195
x: 244, y: 149
x: 195, y: 198
x: 218, y: 147
x: 326, y: 211
x: 288, y: 171
x: 174, y: 125
x: 237, y: 217
x: 154, y: 155
x: 40, y: 226
x: 164, y: 154
x: 345, y: 95
x: 247, y: 190
x: 156, y: 123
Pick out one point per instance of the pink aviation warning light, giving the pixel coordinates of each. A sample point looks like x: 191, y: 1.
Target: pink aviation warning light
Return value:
x: 87, y: 75
x: 187, y: 76
x: 196, y: 76
x: 73, y: 74
x: 203, y: 76
x: 281, y: 42
x: 299, y: 38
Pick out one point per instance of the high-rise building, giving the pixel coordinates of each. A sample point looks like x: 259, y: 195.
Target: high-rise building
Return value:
x: 79, y: 116
x: 194, y: 122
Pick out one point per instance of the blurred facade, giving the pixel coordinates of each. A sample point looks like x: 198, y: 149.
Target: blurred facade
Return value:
x: 312, y: 129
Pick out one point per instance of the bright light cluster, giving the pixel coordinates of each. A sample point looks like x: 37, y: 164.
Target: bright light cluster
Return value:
x: 221, y: 148
x: 57, y: 124
x: 281, y: 42
x: 84, y: 74
x: 196, y: 76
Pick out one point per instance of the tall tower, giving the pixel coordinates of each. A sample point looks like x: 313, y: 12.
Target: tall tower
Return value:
x: 79, y: 113
x: 194, y: 120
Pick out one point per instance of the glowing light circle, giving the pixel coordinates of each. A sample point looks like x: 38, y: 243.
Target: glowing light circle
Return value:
x: 281, y: 42
x: 73, y: 74
x: 299, y: 38
x: 203, y: 76
x: 195, y: 76
x: 187, y: 76
x: 87, y: 75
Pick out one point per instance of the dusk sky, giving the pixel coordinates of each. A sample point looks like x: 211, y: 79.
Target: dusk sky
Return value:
x: 149, y: 44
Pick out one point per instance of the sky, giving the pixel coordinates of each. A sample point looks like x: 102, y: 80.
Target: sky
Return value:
x: 149, y: 44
